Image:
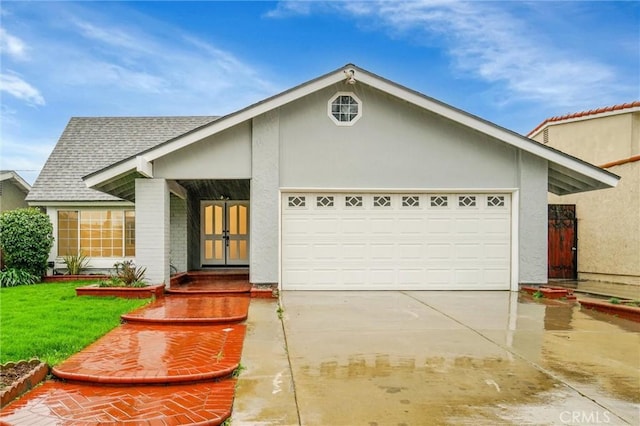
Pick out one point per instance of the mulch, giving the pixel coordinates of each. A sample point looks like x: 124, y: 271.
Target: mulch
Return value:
x: 13, y: 373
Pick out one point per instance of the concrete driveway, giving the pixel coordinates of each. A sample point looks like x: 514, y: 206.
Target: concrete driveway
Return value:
x: 417, y: 358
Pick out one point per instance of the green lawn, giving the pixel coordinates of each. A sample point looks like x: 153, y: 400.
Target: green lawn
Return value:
x: 49, y: 322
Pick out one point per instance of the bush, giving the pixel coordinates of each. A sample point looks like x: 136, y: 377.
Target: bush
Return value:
x: 14, y: 277
x: 26, y: 238
x: 127, y: 275
x: 75, y: 263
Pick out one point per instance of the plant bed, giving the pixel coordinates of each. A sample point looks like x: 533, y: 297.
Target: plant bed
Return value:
x: 622, y: 309
x: 549, y: 292
x: 125, y: 292
x: 65, y: 278
x: 19, y: 377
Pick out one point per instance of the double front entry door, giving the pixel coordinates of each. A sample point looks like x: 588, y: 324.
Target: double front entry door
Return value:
x: 224, y: 233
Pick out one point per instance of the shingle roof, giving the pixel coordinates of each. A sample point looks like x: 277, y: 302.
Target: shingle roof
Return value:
x: 93, y: 143
x: 581, y: 114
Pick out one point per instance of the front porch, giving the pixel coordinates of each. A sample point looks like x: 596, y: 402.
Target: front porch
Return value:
x: 227, y: 281
x: 192, y: 225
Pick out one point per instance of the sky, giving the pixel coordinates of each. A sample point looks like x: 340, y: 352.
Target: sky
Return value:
x: 514, y: 63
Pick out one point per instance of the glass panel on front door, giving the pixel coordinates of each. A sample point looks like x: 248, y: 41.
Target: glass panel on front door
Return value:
x: 225, y: 233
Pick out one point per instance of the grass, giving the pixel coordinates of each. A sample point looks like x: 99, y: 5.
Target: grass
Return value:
x: 49, y: 322
x: 280, y: 311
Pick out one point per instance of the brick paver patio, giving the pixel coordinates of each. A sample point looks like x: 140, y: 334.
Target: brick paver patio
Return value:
x: 171, y: 364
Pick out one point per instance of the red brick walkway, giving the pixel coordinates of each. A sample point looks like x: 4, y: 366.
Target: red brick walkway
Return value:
x: 170, y: 365
x: 58, y: 403
x: 204, y: 309
x: 157, y: 354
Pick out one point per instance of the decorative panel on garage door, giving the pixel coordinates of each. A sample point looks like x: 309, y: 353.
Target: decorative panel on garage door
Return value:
x: 356, y: 241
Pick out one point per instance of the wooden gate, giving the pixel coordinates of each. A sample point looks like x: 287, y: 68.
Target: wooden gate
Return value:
x: 563, y: 241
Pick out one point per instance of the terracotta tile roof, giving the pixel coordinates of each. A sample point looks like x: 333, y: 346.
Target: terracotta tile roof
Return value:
x: 584, y: 114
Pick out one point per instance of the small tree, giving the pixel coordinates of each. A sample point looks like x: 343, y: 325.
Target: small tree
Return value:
x: 26, y: 237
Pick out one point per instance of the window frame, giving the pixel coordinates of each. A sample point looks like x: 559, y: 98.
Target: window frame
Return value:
x: 333, y: 118
x: 124, y: 223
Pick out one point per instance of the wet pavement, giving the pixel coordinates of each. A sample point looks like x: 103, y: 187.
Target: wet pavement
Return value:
x: 416, y: 358
x: 171, y: 364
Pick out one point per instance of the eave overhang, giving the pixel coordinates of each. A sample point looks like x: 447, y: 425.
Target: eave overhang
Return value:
x: 567, y: 174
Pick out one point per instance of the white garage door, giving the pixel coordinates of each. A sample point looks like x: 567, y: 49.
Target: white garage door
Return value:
x: 362, y: 241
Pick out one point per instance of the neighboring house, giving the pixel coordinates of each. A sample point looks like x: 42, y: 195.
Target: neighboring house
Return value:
x: 608, y: 229
x: 13, y: 191
x: 348, y: 181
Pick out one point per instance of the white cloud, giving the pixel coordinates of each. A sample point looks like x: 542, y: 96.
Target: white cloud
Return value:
x: 488, y: 42
x: 12, y: 45
x: 24, y: 154
x: 142, y: 66
x: 290, y: 8
x: 107, y: 35
x: 17, y: 87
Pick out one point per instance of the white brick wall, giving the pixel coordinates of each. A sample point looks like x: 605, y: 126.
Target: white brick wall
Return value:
x: 152, y: 229
x: 178, y: 218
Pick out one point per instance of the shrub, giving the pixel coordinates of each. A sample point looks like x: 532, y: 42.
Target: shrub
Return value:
x: 26, y: 237
x: 12, y: 277
x: 127, y: 275
x: 75, y: 263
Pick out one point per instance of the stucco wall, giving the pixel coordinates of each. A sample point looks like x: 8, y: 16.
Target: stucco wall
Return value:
x: 265, y: 220
x: 223, y: 156
x: 599, y: 140
x: 609, y: 228
x: 393, y: 145
x: 608, y: 220
x: 533, y: 219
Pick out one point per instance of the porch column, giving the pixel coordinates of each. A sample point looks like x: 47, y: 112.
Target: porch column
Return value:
x: 265, y: 181
x: 153, y: 229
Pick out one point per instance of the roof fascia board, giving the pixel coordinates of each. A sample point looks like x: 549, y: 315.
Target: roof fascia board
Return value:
x: 216, y: 126
x: 379, y: 83
x: 82, y: 204
x: 490, y: 129
x: 110, y: 173
x: 241, y: 116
